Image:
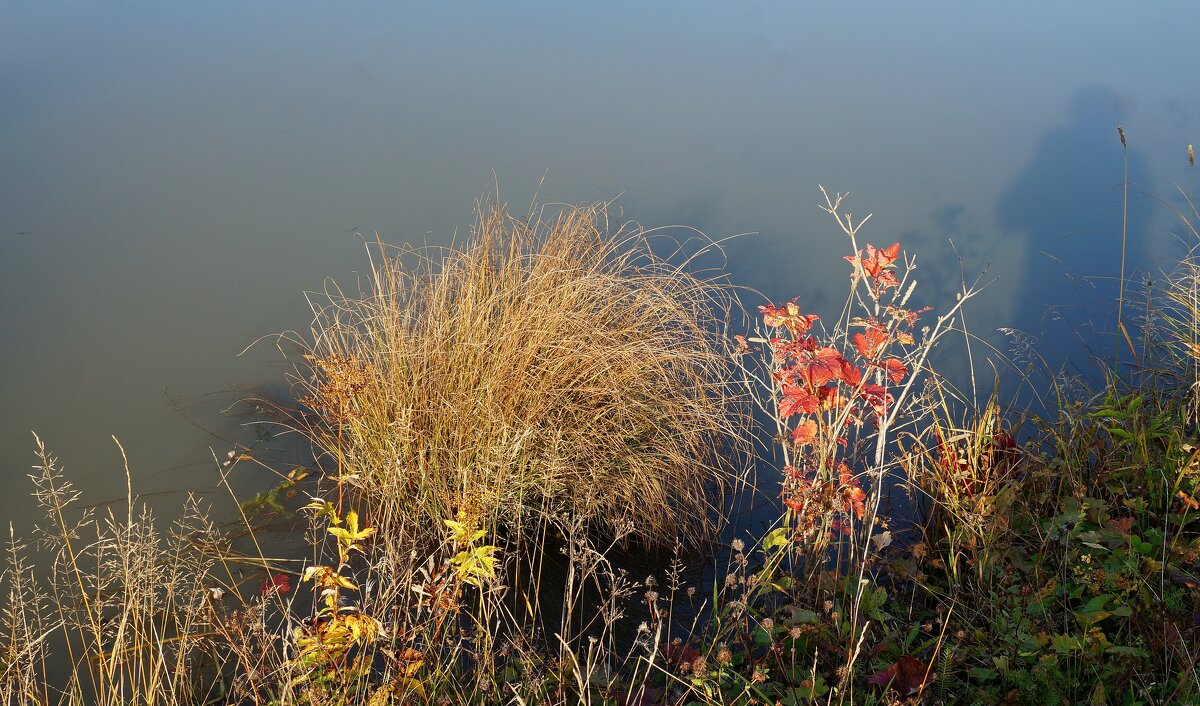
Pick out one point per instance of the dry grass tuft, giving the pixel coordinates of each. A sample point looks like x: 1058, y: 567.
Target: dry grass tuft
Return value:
x: 550, y: 364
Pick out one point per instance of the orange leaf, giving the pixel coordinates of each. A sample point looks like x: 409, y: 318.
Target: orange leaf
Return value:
x: 805, y: 433
x: 907, y: 675
x: 1123, y: 525
x: 895, y: 369
x: 797, y: 400
x: 871, y: 344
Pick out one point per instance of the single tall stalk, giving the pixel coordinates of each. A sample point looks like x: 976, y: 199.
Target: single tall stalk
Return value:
x: 1124, y: 234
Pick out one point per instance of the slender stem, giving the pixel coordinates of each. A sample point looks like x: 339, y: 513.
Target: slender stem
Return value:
x: 1124, y: 234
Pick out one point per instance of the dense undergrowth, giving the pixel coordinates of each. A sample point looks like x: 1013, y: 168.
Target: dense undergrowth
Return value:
x: 496, y: 427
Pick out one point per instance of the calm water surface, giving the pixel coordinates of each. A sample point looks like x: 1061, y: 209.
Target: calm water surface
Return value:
x: 174, y: 176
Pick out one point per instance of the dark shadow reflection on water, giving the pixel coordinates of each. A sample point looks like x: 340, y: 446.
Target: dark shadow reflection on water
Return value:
x: 1067, y: 202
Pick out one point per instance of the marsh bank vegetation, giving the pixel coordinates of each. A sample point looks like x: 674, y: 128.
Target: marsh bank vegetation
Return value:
x: 497, y: 427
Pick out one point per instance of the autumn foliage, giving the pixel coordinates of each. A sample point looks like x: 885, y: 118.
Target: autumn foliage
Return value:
x: 826, y: 389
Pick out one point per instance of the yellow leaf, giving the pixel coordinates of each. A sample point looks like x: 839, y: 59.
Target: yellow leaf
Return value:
x: 341, y: 582
x: 457, y: 529
x: 312, y: 571
x: 349, y: 536
x: 476, y: 565
x: 321, y: 507
x: 462, y: 530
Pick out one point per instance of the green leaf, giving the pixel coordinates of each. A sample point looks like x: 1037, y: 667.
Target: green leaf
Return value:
x: 1096, y: 603
x: 803, y: 616
x: 761, y: 638
x: 783, y: 583
x: 912, y: 635
x: 1066, y: 644
x: 1128, y: 651
x: 776, y: 538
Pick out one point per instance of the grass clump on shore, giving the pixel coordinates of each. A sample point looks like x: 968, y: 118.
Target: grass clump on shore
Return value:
x: 546, y: 365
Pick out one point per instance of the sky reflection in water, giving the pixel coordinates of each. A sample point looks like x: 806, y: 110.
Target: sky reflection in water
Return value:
x: 175, y: 175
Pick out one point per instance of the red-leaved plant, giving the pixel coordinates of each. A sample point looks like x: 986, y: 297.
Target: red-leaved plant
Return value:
x: 836, y: 391
x: 825, y: 393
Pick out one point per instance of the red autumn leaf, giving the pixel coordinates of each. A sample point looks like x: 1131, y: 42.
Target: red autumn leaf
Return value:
x: 819, y: 366
x: 886, y: 279
x: 871, y: 344
x: 1123, y: 525
x: 830, y: 397
x: 895, y: 369
x: 1004, y: 441
x: 681, y: 653
x: 876, y: 396
x: 276, y: 583
x: 909, y: 317
x: 856, y: 497
x: 787, y: 316
x: 949, y: 454
x: 849, y: 374
x: 876, y: 263
x: 805, y: 433
x: 839, y: 526
x: 852, y: 492
x: 773, y: 315
x: 797, y: 400
x: 907, y: 675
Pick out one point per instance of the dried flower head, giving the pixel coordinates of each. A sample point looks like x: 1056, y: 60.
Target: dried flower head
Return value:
x: 338, y: 381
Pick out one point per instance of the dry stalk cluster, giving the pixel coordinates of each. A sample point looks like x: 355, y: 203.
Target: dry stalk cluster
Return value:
x: 551, y: 364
